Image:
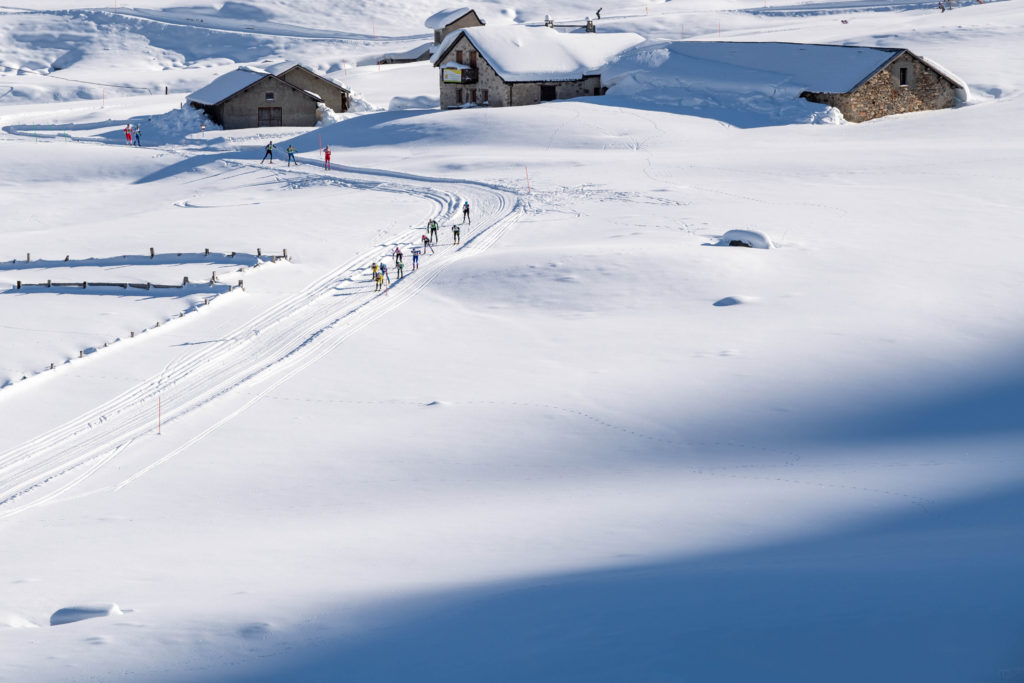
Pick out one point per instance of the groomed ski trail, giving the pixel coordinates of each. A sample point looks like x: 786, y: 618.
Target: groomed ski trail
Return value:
x: 269, y: 348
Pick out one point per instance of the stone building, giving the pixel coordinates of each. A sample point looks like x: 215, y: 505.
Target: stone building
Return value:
x: 335, y: 96
x: 902, y: 83
x: 516, y: 65
x: 252, y: 98
x: 448, y: 20
x: 863, y: 83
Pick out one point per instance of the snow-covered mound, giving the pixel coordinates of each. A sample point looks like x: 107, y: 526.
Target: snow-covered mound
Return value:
x: 746, y: 238
x: 743, y: 84
x: 69, y: 615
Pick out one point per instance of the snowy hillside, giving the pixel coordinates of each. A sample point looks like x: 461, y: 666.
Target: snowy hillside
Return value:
x: 590, y: 441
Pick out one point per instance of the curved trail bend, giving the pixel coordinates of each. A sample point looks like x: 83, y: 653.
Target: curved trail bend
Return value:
x: 267, y: 349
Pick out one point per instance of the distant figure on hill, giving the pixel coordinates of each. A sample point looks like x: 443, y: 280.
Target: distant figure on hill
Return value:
x: 598, y: 12
x: 327, y: 158
x: 465, y: 213
x: 269, y: 153
x: 942, y: 8
x: 291, y: 155
x: 127, y: 134
x: 456, y: 231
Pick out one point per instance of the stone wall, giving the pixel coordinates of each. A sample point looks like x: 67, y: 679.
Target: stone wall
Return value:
x: 333, y: 95
x: 882, y: 94
x: 242, y: 109
x: 530, y: 92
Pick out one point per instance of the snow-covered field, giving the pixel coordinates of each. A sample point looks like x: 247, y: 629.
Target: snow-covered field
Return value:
x: 589, y: 443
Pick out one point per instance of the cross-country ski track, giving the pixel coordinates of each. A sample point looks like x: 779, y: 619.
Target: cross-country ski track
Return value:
x: 268, y: 349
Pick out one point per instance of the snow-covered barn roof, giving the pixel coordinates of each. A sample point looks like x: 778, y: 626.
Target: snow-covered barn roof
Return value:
x: 446, y: 16
x: 283, y: 67
x: 280, y: 67
x: 226, y: 85
x: 786, y: 66
x: 523, y: 53
x: 235, y: 81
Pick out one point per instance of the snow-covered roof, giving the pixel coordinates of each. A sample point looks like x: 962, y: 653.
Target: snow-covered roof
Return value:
x: 241, y: 78
x: 792, y: 66
x: 227, y: 85
x: 524, y: 53
x: 281, y: 67
x: 446, y: 16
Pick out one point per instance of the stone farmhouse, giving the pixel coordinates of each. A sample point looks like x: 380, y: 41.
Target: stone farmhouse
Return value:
x: 447, y: 20
x: 251, y: 98
x: 902, y: 83
x: 514, y: 65
x: 863, y: 83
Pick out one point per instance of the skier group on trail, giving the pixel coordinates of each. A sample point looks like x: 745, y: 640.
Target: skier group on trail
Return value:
x: 379, y: 270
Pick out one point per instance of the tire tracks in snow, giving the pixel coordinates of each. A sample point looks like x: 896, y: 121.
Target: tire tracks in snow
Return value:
x: 269, y: 348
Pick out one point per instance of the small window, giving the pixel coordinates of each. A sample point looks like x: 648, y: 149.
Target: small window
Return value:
x: 472, y: 58
x: 548, y: 93
x: 903, y: 75
x: 484, y: 99
x: 458, y: 56
x: 472, y: 95
x: 269, y: 97
x: 458, y: 96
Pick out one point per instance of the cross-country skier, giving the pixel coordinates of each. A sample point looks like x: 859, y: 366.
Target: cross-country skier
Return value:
x: 456, y: 231
x: 426, y: 245
x: 465, y: 213
x: 373, y: 266
x: 397, y: 255
x: 327, y: 158
x: 399, y: 266
x: 137, y: 135
x: 127, y: 134
x: 270, y: 152
x: 384, y: 271
x: 432, y: 226
x: 291, y: 155
x: 379, y: 281
x: 415, y: 258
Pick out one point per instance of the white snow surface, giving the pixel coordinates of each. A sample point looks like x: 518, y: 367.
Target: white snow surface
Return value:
x: 525, y: 53
x: 586, y: 443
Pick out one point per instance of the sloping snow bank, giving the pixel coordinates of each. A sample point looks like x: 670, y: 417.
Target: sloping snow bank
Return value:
x: 664, y: 76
